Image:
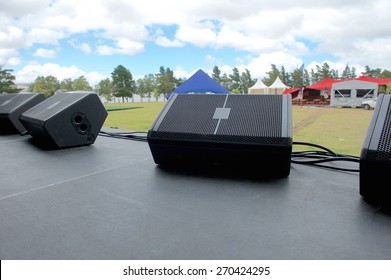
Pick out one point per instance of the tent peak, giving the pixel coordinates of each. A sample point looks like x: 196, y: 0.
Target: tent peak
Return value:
x: 200, y: 82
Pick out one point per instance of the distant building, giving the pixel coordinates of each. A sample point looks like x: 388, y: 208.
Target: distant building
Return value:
x: 352, y: 93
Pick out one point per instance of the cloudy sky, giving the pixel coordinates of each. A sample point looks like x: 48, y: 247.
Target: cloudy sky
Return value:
x: 70, y: 38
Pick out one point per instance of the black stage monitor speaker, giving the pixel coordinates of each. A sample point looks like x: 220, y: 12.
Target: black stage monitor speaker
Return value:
x: 239, y: 132
x: 375, y: 159
x: 66, y: 119
x: 12, y: 106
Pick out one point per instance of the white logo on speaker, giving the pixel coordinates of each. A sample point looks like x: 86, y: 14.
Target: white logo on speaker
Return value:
x: 221, y: 113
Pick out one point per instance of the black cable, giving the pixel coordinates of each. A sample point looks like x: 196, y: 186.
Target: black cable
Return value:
x: 328, y: 160
x: 331, y: 167
x: 314, y: 145
x: 314, y: 158
x: 129, y: 135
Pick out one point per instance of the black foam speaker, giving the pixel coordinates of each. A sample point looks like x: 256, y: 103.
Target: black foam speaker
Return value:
x: 12, y: 106
x: 375, y: 159
x: 239, y: 132
x: 66, y: 119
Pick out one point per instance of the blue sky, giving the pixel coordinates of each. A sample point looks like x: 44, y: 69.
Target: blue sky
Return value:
x: 70, y: 38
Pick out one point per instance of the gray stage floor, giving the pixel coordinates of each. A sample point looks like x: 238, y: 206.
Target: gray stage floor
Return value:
x: 110, y: 201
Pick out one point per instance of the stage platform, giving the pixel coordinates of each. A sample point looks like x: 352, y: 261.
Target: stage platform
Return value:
x: 111, y: 201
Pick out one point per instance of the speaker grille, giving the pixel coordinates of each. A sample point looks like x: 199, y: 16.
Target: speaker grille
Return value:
x: 248, y: 119
x: 252, y: 119
x: 9, y: 102
x: 6, y: 103
x: 384, y: 149
x: 192, y: 114
x: 53, y: 105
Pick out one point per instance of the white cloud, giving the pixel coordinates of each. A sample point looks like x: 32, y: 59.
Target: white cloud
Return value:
x: 181, y: 73
x: 9, y: 57
x: 210, y: 59
x: 44, y: 36
x: 45, y: 53
x: 94, y: 77
x: 84, y: 47
x: 123, y: 46
x: 19, y: 8
x: 31, y: 71
x: 165, y: 42
x: 351, y: 31
x: 199, y: 36
x: 229, y: 37
x: 11, y: 37
x: 261, y: 64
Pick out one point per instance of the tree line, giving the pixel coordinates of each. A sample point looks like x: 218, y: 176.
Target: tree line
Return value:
x: 122, y: 84
x: 302, y: 77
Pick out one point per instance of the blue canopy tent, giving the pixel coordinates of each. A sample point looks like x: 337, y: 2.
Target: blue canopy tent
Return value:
x: 200, y: 82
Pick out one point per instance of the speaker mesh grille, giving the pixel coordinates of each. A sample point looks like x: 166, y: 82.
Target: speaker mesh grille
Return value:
x: 384, y: 149
x: 51, y: 106
x: 8, y: 102
x: 192, y: 114
x: 252, y: 119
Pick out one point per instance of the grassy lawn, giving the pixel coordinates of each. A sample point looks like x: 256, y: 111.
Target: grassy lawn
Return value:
x: 138, y: 116
x: 340, y: 129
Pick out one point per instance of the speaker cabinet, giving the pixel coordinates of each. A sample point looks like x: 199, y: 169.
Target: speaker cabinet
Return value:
x: 238, y: 132
x: 12, y: 106
x: 375, y: 159
x: 66, y: 119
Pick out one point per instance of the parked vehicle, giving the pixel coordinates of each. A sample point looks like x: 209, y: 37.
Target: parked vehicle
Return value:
x: 369, y: 104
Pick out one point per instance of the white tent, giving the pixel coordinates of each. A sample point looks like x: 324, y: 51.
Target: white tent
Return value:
x: 258, y: 88
x: 277, y: 87
x: 352, y: 93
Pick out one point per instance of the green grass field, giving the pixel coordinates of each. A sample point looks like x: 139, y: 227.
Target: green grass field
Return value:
x: 138, y: 117
x: 340, y: 129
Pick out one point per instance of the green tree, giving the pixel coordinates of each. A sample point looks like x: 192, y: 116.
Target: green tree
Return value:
x: 7, y: 81
x: 166, y: 82
x: 285, y: 76
x: 324, y: 71
x: 235, y: 81
x: 385, y: 74
x: 271, y: 75
x: 150, y: 84
x: 141, y: 89
x: 123, y: 84
x: 313, y: 77
x: 104, y: 88
x: 349, y: 73
x: 216, y: 74
x: 246, y: 81
x: 66, y: 85
x: 375, y: 73
x: 353, y: 72
x: 226, y: 82
x: 47, y: 85
x: 81, y: 83
x: 299, y: 77
x: 156, y: 94
x: 334, y: 74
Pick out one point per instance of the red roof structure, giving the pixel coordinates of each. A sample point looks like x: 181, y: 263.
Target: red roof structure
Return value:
x: 290, y: 90
x: 379, y: 81
x: 326, y: 83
